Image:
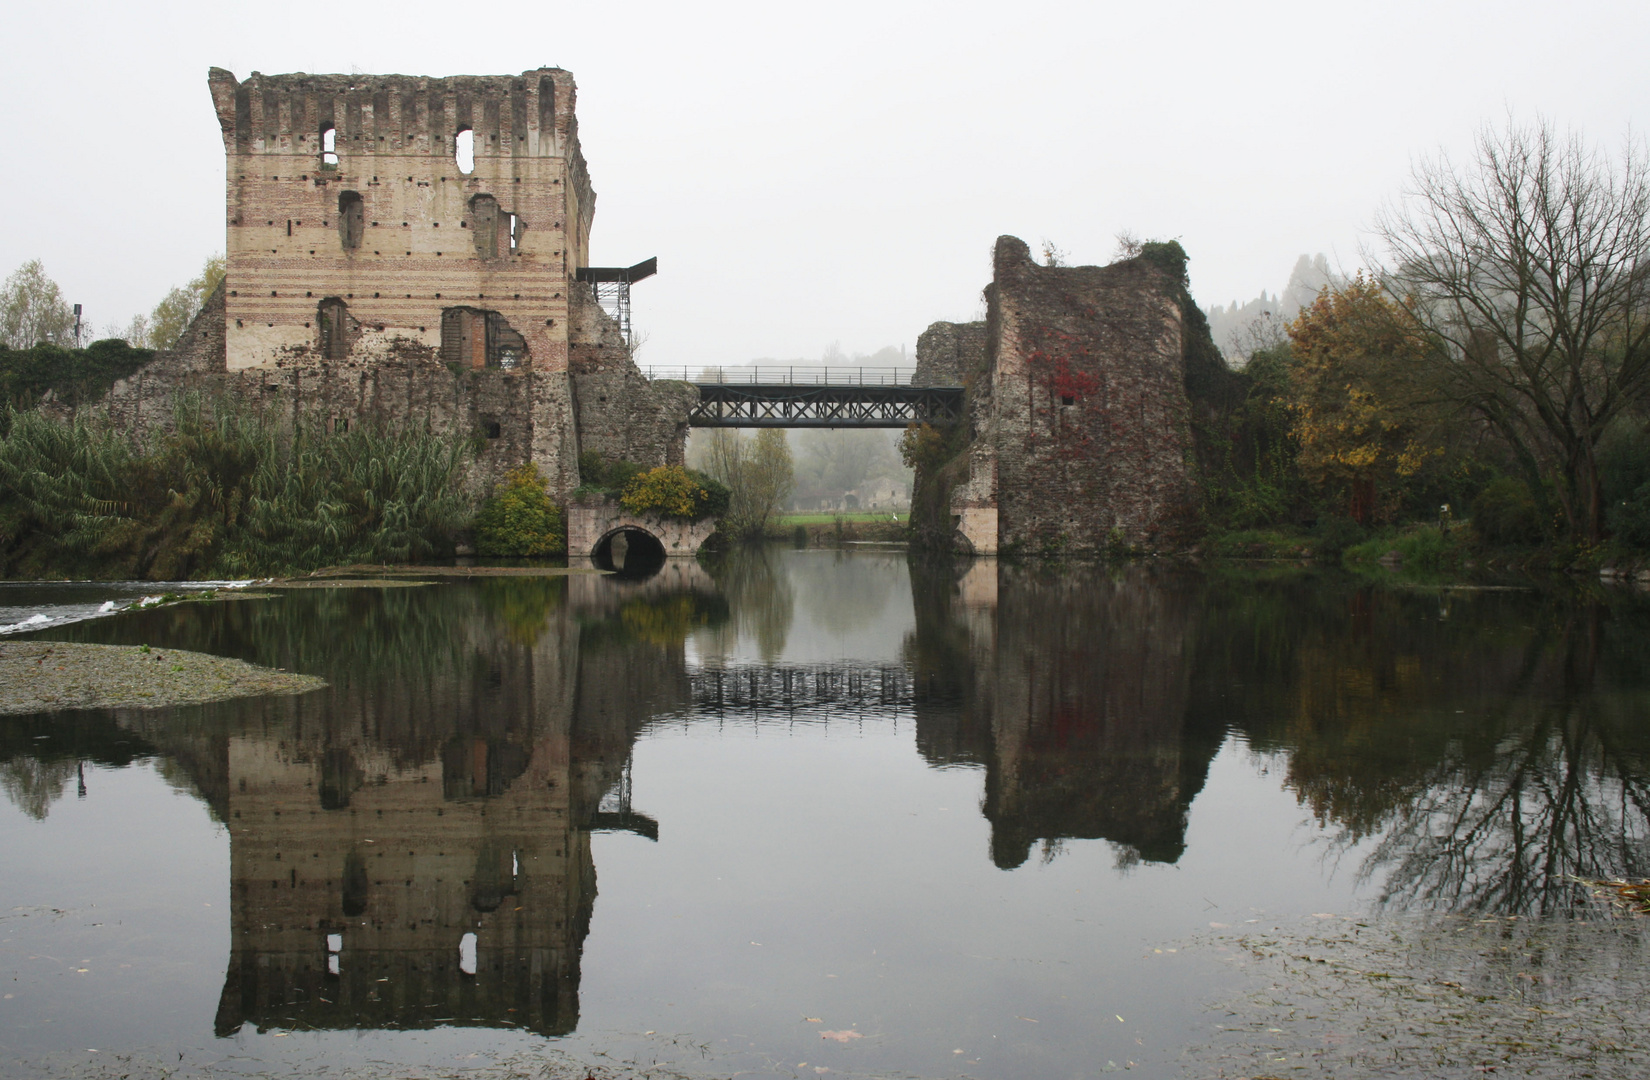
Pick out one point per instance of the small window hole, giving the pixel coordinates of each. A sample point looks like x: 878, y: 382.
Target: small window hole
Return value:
x: 465, y: 151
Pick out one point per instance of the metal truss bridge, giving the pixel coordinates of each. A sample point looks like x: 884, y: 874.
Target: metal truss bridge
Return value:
x: 799, y: 686
x: 806, y: 396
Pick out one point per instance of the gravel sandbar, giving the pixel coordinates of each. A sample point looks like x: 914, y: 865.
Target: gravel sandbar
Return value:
x: 41, y: 676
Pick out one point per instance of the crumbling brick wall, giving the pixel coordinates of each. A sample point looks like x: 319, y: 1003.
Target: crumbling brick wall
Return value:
x: 370, y: 279
x: 948, y: 354
x: 388, y: 225
x: 621, y: 414
x: 513, y: 416
x: 1078, y: 428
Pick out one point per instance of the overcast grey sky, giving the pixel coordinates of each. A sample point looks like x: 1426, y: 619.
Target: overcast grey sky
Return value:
x: 810, y: 173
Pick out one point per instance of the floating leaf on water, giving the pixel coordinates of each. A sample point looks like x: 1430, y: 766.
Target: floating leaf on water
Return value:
x: 841, y: 1036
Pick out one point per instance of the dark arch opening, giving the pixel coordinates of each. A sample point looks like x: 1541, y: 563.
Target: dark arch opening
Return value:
x: 630, y: 552
x: 355, y: 883
x: 352, y: 219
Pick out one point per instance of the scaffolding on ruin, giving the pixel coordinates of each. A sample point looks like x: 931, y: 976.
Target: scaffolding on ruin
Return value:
x: 611, y: 285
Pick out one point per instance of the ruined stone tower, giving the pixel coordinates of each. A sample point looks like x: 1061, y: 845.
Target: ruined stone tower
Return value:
x: 405, y: 251
x: 369, y: 212
x: 1077, y: 436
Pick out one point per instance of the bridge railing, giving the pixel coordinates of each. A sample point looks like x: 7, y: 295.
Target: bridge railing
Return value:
x: 785, y: 374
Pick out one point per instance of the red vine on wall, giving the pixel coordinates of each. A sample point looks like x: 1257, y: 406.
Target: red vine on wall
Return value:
x: 1050, y: 365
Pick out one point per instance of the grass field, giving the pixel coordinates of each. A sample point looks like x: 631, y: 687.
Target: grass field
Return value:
x: 792, y: 520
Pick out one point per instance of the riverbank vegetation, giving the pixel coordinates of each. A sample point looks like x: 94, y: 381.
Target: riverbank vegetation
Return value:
x: 757, y: 471
x: 668, y: 490
x: 226, y: 491
x: 1486, y: 394
x: 518, y: 520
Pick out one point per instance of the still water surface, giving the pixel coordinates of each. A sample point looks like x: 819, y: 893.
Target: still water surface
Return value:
x: 793, y: 811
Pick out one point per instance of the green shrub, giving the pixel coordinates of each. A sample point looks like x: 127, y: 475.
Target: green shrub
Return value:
x: 1421, y: 549
x: 673, y: 492
x: 1629, y: 519
x: 74, y: 376
x: 1506, y: 513
x: 1335, y: 533
x: 595, y: 471
x: 519, y: 520
x: 925, y: 447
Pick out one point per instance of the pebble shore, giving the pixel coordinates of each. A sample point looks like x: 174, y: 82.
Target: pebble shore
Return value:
x: 44, y: 676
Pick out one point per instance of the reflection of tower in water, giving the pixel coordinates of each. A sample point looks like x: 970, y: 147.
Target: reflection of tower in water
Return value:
x: 413, y: 848
x: 371, y: 895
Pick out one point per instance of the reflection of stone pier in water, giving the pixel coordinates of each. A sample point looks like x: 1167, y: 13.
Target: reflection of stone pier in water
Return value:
x: 1071, y: 689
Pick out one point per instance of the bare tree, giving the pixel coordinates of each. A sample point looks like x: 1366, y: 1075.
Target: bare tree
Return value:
x: 758, y: 473
x: 1529, y: 269
x: 771, y: 476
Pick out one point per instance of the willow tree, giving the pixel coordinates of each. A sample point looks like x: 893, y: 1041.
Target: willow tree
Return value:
x: 1528, y: 268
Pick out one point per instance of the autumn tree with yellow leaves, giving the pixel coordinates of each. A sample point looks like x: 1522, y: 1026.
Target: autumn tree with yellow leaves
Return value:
x: 1357, y: 414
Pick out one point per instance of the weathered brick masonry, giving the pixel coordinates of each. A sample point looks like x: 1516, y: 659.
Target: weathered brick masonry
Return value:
x: 374, y: 273
x: 1078, y: 414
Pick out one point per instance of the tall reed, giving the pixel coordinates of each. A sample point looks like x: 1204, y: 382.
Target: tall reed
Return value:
x: 228, y: 490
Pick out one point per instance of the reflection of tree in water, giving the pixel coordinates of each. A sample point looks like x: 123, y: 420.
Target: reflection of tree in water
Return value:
x: 1551, y: 784
x: 760, y: 601
x: 33, y: 785
x: 1488, y: 746
x: 41, y: 755
x: 522, y: 603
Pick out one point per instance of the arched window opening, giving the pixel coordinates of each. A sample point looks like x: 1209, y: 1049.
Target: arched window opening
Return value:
x: 355, y: 884
x: 340, y: 776
x: 464, y: 151
x: 329, y: 147
x: 352, y: 219
x: 484, y: 219
x: 333, y: 317
x: 492, y: 881
x: 547, y: 112
x: 467, y: 954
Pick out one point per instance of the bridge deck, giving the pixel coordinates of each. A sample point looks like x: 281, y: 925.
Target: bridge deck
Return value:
x: 802, y: 406
x: 814, y: 395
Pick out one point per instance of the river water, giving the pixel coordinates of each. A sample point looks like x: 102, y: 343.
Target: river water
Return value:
x: 791, y: 813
